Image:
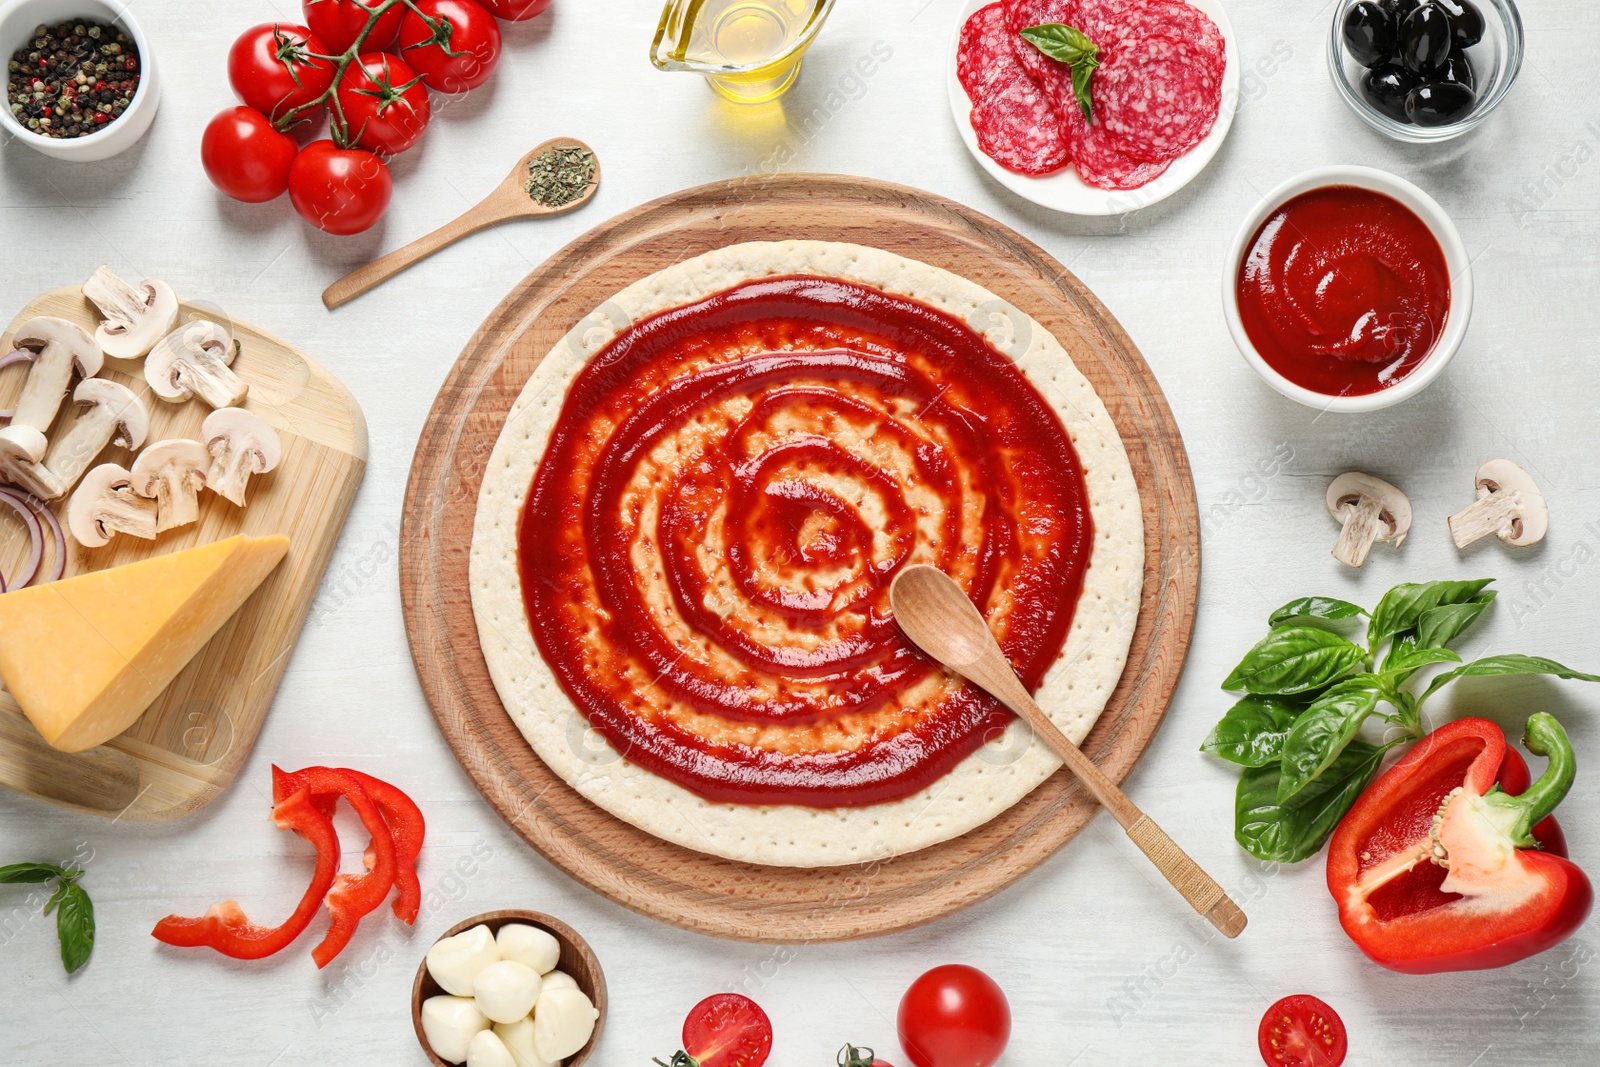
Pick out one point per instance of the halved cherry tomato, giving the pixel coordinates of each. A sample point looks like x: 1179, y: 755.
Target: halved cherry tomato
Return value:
x: 272, y: 68
x: 245, y: 157
x: 725, y: 1030
x: 340, y: 190
x: 384, y: 103
x: 516, y: 10
x: 455, y: 52
x: 339, y: 22
x: 954, y: 1016
x: 1302, y: 1031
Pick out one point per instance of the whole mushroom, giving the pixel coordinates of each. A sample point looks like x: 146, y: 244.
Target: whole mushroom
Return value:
x: 1509, y: 505
x: 61, y: 348
x: 106, y: 505
x: 172, y: 473
x: 136, y: 316
x: 1370, y: 509
x: 241, y: 446
x: 110, y: 413
x: 194, y: 360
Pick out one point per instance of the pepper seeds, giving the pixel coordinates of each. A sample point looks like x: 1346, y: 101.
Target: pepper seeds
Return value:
x: 72, y: 79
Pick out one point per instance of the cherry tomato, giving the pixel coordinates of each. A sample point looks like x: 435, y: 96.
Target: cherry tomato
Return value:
x: 954, y: 1016
x: 851, y: 1056
x: 339, y: 22
x: 271, y: 69
x: 384, y: 102
x: 456, y: 53
x: 1302, y: 1031
x: 516, y: 10
x: 726, y: 1030
x: 245, y: 157
x: 340, y: 190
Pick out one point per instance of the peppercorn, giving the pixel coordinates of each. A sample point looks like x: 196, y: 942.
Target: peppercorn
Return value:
x: 56, y: 84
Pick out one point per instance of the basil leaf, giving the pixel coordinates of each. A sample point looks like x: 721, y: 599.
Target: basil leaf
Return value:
x: 75, y: 926
x: 1315, y: 607
x: 1251, y: 733
x: 1082, y: 72
x: 1318, y: 736
x: 30, y: 872
x: 1438, y: 627
x: 1296, y: 659
x: 1398, y: 666
x: 1289, y: 832
x: 1402, y: 607
x: 1514, y: 663
x: 1062, y: 43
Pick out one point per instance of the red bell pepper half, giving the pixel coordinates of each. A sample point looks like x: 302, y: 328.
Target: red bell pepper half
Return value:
x: 225, y: 927
x: 1438, y: 866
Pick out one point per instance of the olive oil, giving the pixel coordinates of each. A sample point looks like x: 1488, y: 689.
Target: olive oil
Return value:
x: 749, y: 50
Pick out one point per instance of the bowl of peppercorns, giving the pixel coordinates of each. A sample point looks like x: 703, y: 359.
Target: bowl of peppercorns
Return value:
x: 80, y: 81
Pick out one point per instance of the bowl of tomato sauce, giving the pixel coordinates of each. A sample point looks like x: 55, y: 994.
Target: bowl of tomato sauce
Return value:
x: 1348, y: 289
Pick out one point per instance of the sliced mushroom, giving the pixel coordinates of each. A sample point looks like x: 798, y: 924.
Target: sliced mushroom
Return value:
x: 136, y: 317
x: 1371, y: 510
x: 106, y: 505
x: 111, y: 413
x: 21, y: 449
x: 1509, y: 504
x: 194, y: 360
x: 172, y: 473
x: 61, y: 348
x: 241, y: 445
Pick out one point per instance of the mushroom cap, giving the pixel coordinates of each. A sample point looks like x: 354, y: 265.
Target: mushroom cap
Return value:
x: 23, y: 443
x: 121, y: 401
x: 244, y: 429
x: 155, y: 323
x: 1533, y: 520
x: 188, y: 342
x: 147, y: 469
x: 1347, y: 489
x: 80, y: 511
x: 47, y: 331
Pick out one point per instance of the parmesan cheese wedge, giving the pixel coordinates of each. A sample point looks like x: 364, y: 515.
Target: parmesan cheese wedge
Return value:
x: 86, y: 656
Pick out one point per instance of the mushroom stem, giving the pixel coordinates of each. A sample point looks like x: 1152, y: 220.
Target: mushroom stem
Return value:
x: 1362, y: 524
x: 177, y: 499
x: 117, y: 300
x: 121, y: 510
x: 1493, y: 513
x: 231, y: 472
x: 21, y: 448
x: 209, y: 378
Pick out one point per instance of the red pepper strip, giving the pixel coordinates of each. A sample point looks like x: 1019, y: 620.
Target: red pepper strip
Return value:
x: 1435, y: 869
x: 225, y: 927
x: 352, y: 896
x: 406, y: 826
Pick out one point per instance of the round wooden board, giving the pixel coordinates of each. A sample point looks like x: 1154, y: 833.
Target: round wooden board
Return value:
x: 690, y: 889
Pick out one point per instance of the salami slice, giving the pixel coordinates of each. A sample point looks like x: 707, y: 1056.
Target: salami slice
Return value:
x: 1157, y: 97
x: 1018, y: 129
x: 985, y: 40
x: 1173, y: 18
x: 1102, y: 163
x: 1024, y: 13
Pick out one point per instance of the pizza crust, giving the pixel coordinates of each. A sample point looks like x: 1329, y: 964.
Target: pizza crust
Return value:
x: 984, y: 785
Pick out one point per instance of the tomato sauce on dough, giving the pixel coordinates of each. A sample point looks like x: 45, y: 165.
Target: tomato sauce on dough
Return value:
x: 707, y: 544
x: 1344, y: 291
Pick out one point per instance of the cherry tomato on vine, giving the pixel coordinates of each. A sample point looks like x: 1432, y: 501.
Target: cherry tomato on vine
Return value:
x: 457, y: 51
x: 516, y: 10
x: 954, y: 1016
x: 1302, y: 1031
x: 271, y: 69
x: 340, y: 190
x: 339, y: 22
x: 725, y: 1030
x: 384, y: 103
x: 245, y: 157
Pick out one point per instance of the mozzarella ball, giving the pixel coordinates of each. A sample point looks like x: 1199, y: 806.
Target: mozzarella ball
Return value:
x: 455, y: 961
x: 529, y: 946
x: 487, y: 1050
x: 558, y: 980
x: 563, y: 1022
x: 518, y: 1038
x: 449, y: 1024
x: 506, y: 991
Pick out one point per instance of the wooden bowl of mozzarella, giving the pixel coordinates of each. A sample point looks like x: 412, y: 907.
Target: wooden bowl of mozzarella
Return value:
x: 576, y: 960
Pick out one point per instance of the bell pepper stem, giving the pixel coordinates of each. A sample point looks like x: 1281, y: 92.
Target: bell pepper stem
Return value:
x: 1544, y: 736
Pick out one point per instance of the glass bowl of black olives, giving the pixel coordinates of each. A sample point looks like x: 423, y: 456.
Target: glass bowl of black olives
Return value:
x: 1425, y: 70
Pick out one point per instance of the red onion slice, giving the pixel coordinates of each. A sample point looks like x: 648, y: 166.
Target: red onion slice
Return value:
x: 21, y: 355
x: 30, y: 570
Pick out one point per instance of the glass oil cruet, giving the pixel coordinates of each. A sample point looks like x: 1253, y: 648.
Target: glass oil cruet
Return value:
x: 748, y: 50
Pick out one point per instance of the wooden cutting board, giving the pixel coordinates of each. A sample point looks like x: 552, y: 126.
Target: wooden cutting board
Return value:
x: 186, y: 749
x: 690, y: 889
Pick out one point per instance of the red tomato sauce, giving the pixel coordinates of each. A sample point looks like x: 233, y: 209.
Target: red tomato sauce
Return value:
x: 707, y: 545
x: 1344, y: 291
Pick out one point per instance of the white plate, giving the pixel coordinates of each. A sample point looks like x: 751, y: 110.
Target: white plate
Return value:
x: 1064, y: 190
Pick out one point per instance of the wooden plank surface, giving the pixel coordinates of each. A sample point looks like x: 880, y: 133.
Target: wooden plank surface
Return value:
x: 689, y: 889
x: 189, y: 745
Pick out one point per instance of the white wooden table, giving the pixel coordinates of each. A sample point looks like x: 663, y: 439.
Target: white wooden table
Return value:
x: 1102, y: 964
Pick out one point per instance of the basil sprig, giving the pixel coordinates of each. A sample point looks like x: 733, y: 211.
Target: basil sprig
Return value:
x: 74, y: 911
x: 1072, y: 47
x: 1310, y: 689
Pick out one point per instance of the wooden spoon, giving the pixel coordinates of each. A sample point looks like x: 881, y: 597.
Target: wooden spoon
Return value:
x: 939, y: 618
x: 510, y: 200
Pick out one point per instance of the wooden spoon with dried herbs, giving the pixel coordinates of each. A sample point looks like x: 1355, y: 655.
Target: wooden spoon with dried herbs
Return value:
x: 559, y: 175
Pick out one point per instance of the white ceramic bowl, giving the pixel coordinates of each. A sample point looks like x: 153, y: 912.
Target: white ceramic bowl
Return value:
x: 1455, y: 258
x: 18, y: 20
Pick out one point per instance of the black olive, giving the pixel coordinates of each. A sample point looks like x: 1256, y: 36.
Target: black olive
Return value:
x: 1467, y: 21
x: 1425, y: 38
x: 1458, y: 69
x: 1399, y: 9
x: 1370, y: 34
x: 1386, y: 89
x: 1440, y: 103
